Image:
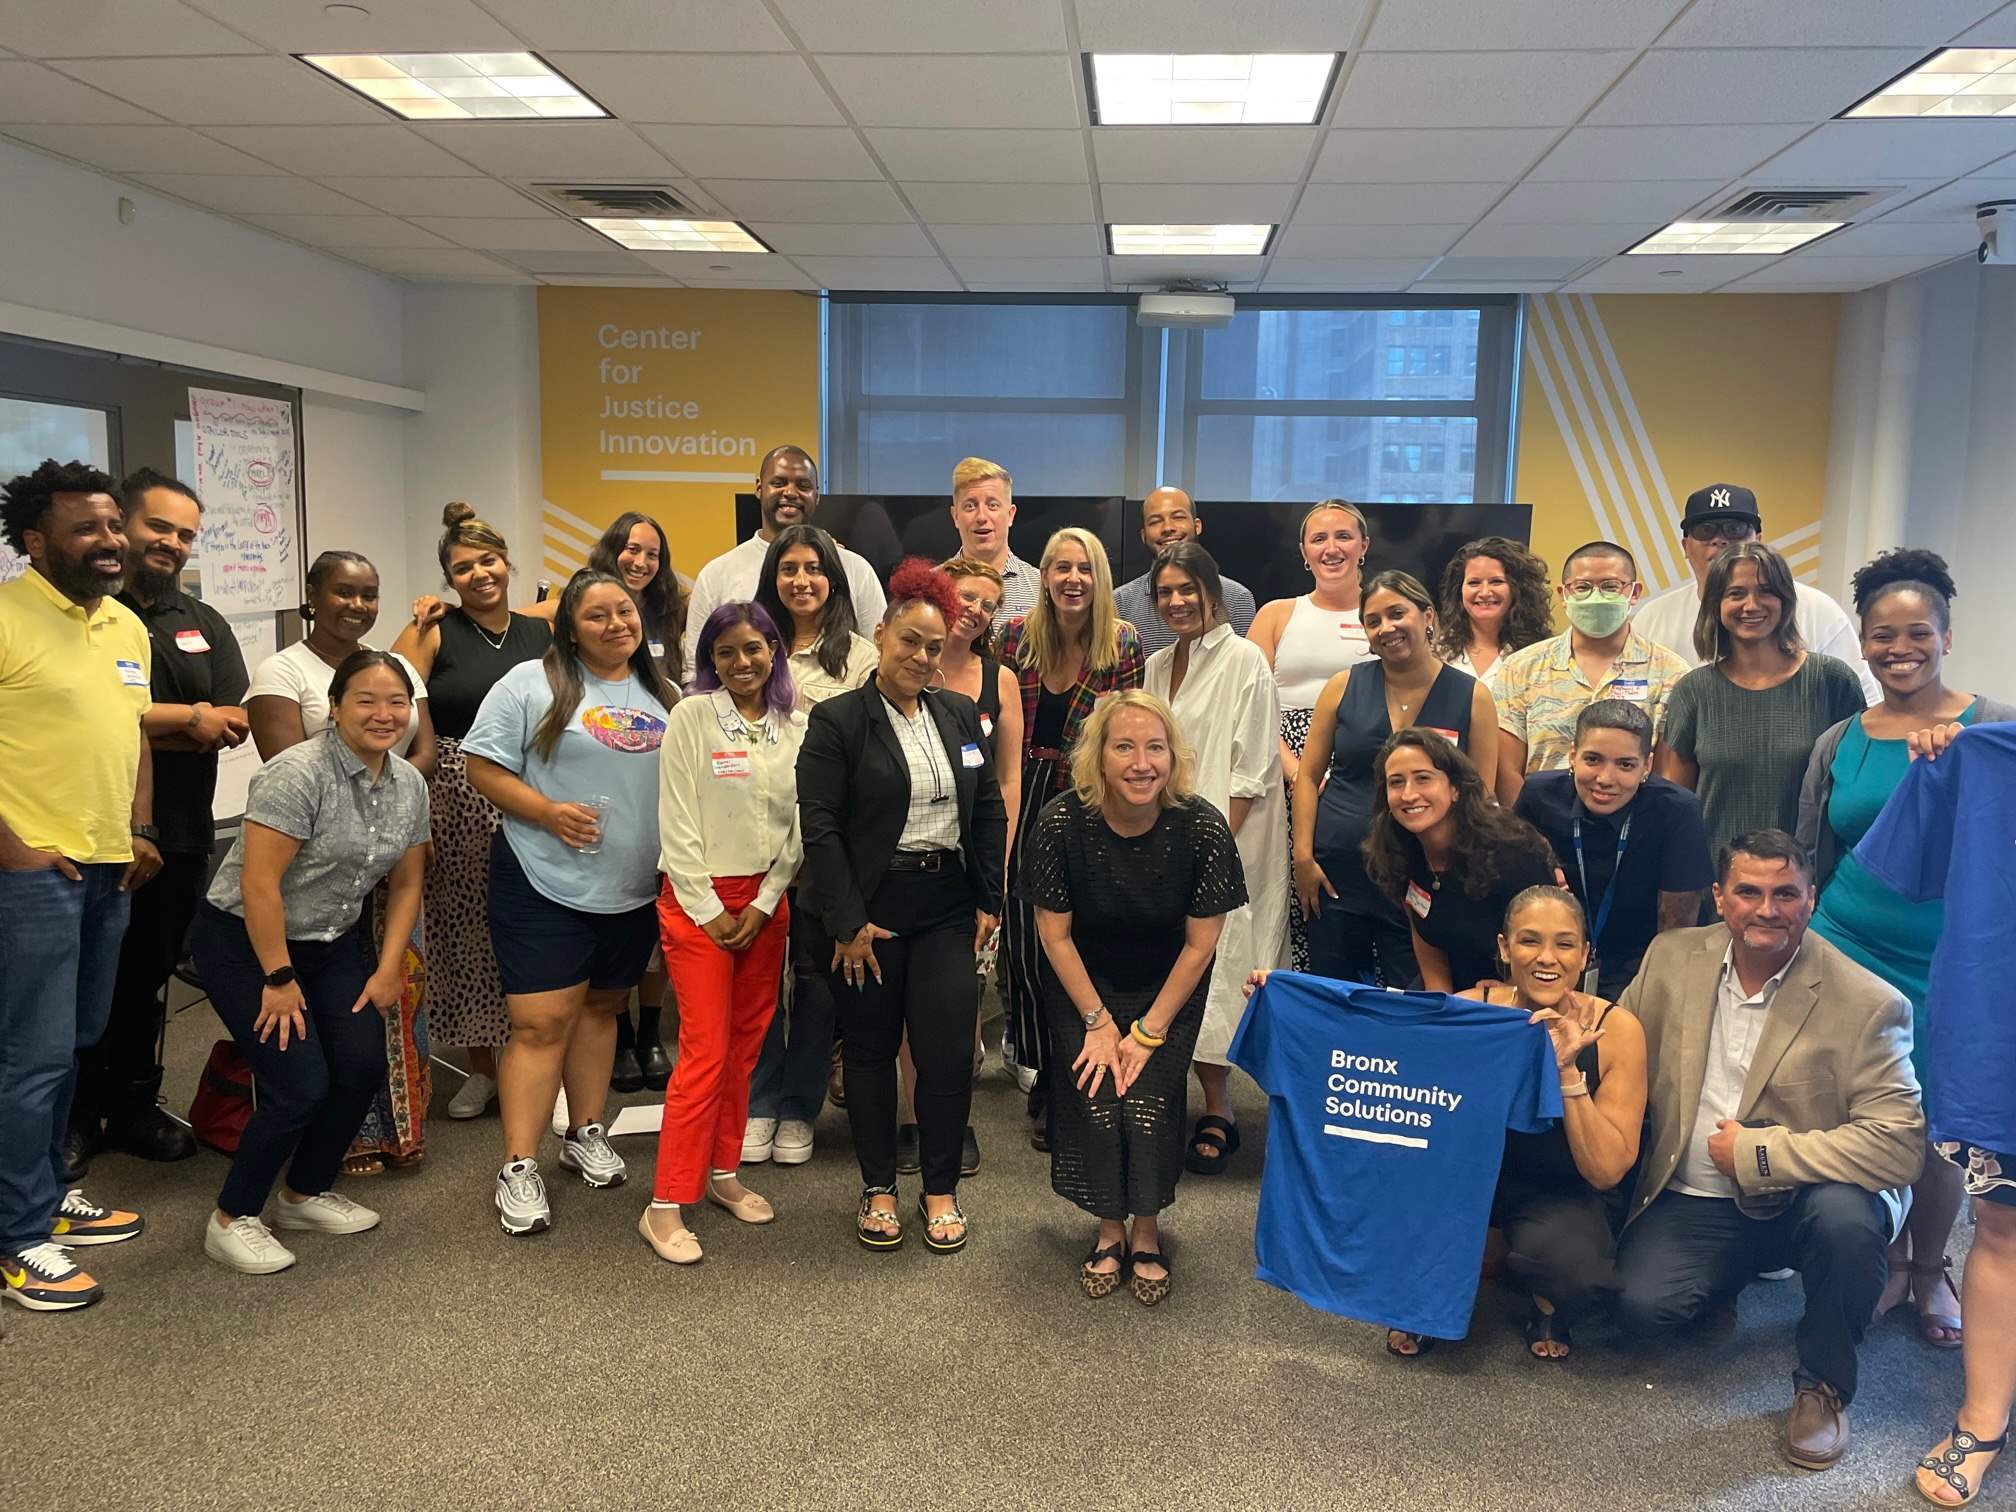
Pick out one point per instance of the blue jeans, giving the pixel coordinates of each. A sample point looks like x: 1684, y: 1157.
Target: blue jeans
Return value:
x: 790, y: 1076
x: 59, y: 956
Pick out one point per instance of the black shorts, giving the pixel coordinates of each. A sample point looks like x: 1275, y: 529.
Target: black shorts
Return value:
x: 543, y: 946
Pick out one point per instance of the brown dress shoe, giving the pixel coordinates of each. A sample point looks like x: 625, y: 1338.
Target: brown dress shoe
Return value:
x: 1816, y: 1434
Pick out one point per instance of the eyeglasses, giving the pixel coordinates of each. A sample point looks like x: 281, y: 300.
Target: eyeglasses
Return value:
x: 1610, y: 587
x: 1728, y: 530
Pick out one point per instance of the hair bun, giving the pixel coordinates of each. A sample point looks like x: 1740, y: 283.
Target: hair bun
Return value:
x: 1902, y: 564
x: 456, y: 512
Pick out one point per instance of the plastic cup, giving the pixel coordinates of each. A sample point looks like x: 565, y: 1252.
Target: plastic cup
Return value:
x: 601, y: 807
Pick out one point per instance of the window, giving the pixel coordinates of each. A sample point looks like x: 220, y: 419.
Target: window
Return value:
x: 31, y: 432
x: 1396, y: 361
x: 1438, y: 361
x: 1417, y: 361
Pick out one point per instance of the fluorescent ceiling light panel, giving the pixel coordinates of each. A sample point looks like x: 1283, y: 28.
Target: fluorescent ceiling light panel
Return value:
x: 1955, y: 81
x: 675, y: 235
x: 1210, y: 89
x: 1732, y: 238
x: 1188, y: 241
x: 459, y: 86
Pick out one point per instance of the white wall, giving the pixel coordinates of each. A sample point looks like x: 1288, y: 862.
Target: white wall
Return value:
x: 353, y: 466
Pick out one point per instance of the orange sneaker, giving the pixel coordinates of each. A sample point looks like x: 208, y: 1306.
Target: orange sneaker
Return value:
x: 43, y: 1279
x: 81, y: 1221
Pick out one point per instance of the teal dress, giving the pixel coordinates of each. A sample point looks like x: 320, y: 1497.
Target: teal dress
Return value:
x: 1873, y: 924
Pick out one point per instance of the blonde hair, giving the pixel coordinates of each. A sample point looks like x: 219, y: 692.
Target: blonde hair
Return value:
x: 973, y: 470
x: 1088, y: 751
x: 1364, y: 530
x: 1043, y: 638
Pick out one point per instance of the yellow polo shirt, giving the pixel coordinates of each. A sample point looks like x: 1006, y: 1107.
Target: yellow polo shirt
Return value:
x: 72, y: 689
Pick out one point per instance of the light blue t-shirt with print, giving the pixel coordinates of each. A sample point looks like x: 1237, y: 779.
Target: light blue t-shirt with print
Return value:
x: 608, y: 750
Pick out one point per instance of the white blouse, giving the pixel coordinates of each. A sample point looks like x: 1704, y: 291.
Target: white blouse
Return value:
x: 810, y: 683
x: 727, y: 802
x: 298, y: 675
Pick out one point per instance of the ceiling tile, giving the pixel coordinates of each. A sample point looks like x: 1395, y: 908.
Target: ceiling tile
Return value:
x: 1923, y: 24
x: 1053, y: 286
x: 1955, y: 200
x: 890, y: 90
x: 1372, y: 156
x: 1140, y: 270
x: 879, y: 272
x: 1197, y: 204
x: 442, y: 263
x: 728, y: 269
x: 596, y: 150
x: 131, y: 28
x: 1475, y: 88
x: 1999, y: 30
x: 1520, y: 24
x: 613, y: 262
x: 794, y: 237
x: 1940, y: 239
x: 1832, y: 274
x: 1689, y: 86
x: 299, y: 26
x: 1662, y: 152
x: 1488, y: 286
x: 1534, y: 203
x: 139, y: 149
x: 1208, y: 154
x: 1210, y: 26
x: 30, y: 93
x: 701, y: 88
x: 1581, y: 241
x: 808, y: 200
x: 1366, y: 241
x: 1000, y: 204
x: 1017, y: 241
x: 432, y: 196
x: 1394, y: 204
x: 345, y: 232
x: 1345, y: 275
x: 1667, y: 275
x: 1031, y: 272
x: 981, y: 157
x: 941, y: 26
x: 229, y: 91
x: 692, y: 26
x: 608, y: 280
x: 348, y: 150
x: 1866, y: 152
x: 794, y: 152
x: 252, y: 194
x: 514, y: 235
x: 1536, y: 269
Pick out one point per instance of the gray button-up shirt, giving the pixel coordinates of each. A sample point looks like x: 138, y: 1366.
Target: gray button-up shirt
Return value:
x: 1021, y: 583
x: 1732, y: 1045
x: 352, y: 830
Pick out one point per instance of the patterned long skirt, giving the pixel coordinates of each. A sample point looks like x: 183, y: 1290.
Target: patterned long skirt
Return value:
x: 465, y: 1000
x: 396, y: 1125
x: 1020, y: 964
x: 1295, y: 731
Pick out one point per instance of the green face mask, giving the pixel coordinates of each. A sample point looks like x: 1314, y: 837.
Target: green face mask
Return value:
x: 1600, y: 615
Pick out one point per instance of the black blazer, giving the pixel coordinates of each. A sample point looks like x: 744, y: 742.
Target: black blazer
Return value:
x: 854, y: 795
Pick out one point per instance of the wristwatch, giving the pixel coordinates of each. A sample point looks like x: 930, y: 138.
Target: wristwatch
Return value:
x: 149, y: 832
x: 1092, y: 1019
x: 281, y: 976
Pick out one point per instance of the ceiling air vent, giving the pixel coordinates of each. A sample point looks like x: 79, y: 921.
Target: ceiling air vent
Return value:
x: 1775, y: 204
x: 621, y: 201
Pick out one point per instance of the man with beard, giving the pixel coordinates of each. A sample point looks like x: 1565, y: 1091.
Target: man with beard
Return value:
x: 198, y: 689
x: 76, y: 837
x: 787, y: 491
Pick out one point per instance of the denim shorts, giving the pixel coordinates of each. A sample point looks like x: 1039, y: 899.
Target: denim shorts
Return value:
x: 543, y: 946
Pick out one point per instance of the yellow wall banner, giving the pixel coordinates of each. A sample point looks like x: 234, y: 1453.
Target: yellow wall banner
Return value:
x: 664, y: 401
x: 1628, y: 403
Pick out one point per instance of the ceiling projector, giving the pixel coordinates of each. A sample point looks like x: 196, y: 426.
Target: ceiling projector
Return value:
x: 1197, y: 312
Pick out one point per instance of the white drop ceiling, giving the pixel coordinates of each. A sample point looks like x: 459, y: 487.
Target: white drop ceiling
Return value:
x: 1468, y: 145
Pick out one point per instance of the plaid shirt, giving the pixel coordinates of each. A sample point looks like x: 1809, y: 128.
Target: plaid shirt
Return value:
x: 1124, y: 673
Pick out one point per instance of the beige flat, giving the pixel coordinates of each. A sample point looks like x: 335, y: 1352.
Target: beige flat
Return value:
x: 681, y: 1247
x: 749, y: 1207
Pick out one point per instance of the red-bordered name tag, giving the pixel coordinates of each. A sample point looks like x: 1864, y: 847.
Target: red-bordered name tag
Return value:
x: 191, y: 642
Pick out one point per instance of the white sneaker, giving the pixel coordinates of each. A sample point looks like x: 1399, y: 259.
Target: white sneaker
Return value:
x: 326, y: 1213
x: 1785, y: 1273
x: 588, y: 1151
x: 793, y: 1145
x: 473, y: 1096
x: 247, y: 1246
x: 759, y: 1136
x: 521, y: 1198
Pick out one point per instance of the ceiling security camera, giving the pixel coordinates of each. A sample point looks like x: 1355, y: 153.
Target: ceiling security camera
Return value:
x: 1993, y: 216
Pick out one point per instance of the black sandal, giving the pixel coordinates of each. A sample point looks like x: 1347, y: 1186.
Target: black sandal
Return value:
x: 1147, y: 1292
x: 1422, y: 1343
x: 1097, y: 1284
x: 1545, y: 1327
x: 1221, y: 1135
x: 1960, y: 1444
x: 875, y: 1238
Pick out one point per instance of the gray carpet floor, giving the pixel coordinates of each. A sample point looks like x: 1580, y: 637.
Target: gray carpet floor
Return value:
x: 436, y: 1363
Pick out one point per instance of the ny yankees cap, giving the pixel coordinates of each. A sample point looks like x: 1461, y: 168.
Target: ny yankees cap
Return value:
x: 1721, y: 501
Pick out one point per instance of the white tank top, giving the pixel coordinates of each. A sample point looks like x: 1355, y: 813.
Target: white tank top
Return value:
x: 1315, y: 645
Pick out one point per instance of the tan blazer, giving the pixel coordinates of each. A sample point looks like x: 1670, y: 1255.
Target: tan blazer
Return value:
x: 1832, y: 1074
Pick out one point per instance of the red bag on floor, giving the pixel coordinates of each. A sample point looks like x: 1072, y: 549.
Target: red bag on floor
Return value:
x: 223, y: 1101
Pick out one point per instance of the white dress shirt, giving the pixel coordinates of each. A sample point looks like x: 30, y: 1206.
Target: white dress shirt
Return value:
x: 1732, y: 1045
x: 733, y: 575
x: 932, y: 823
x: 810, y: 682
x: 1823, y: 624
x: 727, y: 802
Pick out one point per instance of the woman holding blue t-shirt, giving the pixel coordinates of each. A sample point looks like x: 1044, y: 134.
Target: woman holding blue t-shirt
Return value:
x: 567, y: 749
x: 1904, y: 599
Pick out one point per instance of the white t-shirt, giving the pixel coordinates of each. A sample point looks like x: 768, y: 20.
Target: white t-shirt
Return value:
x: 1823, y: 624
x: 733, y: 574
x: 300, y: 676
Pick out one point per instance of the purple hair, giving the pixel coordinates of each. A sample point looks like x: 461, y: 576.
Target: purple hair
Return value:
x: 777, y: 692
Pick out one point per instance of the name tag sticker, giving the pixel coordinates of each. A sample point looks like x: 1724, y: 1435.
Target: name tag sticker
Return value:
x: 987, y: 725
x: 969, y: 756
x: 1637, y: 689
x: 191, y: 641
x: 131, y: 674
x: 1417, y: 899
x: 1449, y: 735
x: 731, y: 764
x: 658, y: 650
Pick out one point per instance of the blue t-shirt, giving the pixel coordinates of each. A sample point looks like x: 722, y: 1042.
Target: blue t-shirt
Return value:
x: 1949, y: 831
x: 608, y: 750
x: 1387, y: 1114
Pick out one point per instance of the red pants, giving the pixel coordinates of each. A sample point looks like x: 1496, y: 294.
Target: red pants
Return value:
x: 726, y: 998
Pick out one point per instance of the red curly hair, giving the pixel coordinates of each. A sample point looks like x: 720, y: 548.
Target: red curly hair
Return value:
x: 916, y: 580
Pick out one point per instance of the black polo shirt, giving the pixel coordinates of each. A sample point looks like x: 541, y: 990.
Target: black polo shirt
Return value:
x: 1667, y: 852
x: 196, y: 660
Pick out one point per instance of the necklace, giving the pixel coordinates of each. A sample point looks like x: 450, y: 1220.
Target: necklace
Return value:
x: 494, y: 643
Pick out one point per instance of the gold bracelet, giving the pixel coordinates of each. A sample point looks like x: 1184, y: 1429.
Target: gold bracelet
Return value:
x: 1143, y: 1037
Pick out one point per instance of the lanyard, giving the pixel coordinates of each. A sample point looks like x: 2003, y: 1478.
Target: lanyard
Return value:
x: 1610, y: 889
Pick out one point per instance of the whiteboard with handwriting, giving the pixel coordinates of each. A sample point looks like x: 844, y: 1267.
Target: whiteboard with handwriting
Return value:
x: 245, y: 472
